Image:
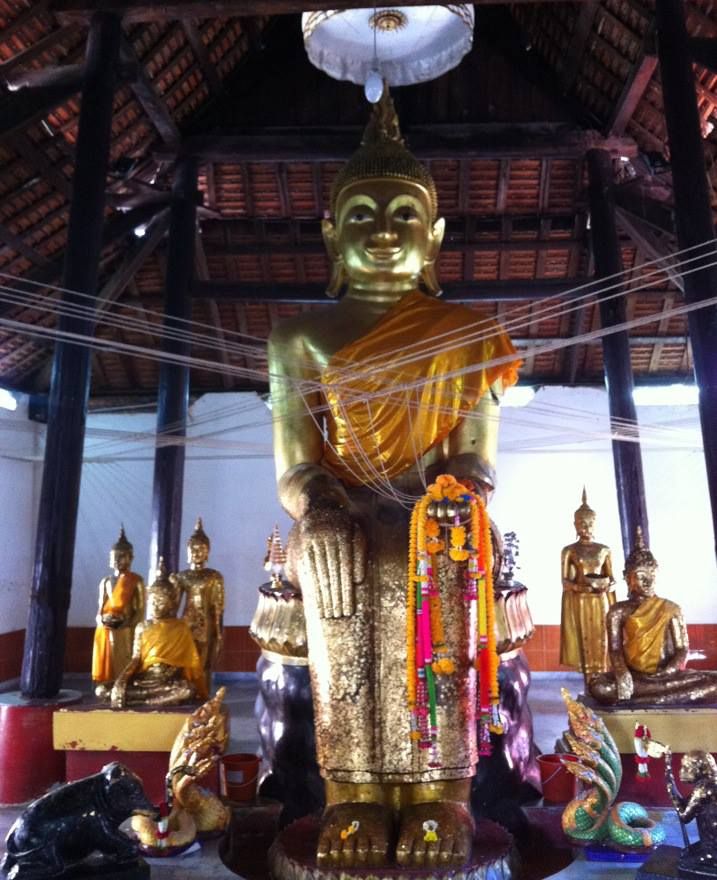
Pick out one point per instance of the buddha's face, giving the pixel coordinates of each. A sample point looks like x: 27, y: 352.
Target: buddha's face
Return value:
x: 161, y: 604
x: 197, y: 552
x: 640, y: 582
x: 384, y: 233
x: 584, y: 526
x: 121, y: 560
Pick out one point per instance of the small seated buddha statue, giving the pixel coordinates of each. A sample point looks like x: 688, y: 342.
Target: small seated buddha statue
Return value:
x: 648, y: 645
x: 120, y: 609
x: 371, y: 401
x: 586, y: 568
x: 165, y: 668
x: 203, y: 591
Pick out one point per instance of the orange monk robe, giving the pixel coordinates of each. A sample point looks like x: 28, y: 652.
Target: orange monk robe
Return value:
x: 378, y: 424
x: 120, y: 605
x: 644, y: 633
x: 170, y: 641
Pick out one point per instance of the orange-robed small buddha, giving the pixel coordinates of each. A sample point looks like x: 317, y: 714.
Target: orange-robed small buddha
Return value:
x: 396, y: 378
x: 121, y: 608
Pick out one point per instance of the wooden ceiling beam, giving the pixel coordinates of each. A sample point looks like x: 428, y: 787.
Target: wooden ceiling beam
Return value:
x: 37, y: 48
x: 647, y: 241
x: 201, y: 270
x: 143, y: 10
x: 638, y: 79
x: 37, y: 159
x: 267, y: 248
x: 704, y: 51
x: 428, y: 142
x: 578, y: 45
x: 209, y: 71
x: 150, y: 100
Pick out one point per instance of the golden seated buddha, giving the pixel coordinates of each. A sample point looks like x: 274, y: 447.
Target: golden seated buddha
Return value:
x: 165, y: 668
x: 395, y: 419
x: 648, y: 645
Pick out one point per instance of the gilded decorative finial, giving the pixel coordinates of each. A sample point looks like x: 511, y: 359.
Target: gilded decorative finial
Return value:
x: 641, y: 556
x: 122, y: 545
x: 198, y: 536
x: 276, y: 558
x: 584, y: 510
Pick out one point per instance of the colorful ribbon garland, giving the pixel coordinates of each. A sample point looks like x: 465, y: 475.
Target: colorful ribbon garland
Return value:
x: 426, y: 650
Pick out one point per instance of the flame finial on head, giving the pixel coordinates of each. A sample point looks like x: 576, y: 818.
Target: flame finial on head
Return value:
x: 641, y: 556
x: 122, y: 545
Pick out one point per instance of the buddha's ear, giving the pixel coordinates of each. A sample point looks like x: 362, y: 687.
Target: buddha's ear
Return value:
x: 429, y: 278
x: 437, y: 232
x: 338, y: 273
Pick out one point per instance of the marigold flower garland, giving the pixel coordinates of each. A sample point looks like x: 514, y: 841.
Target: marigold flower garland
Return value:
x: 426, y: 650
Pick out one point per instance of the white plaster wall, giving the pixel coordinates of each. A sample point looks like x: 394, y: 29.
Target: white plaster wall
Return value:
x: 547, y: 451
x: 18, y: 454
x: 543, y: 464
x: 229, y: 482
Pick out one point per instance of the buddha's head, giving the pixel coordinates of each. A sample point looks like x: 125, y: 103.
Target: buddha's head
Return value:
x: 640, y: 569
x: 122, y: 553
x: 584, y: 519
x: 198, y: 545
x: 385, y: 233
x: 162, y: 595
x: 697, y: 765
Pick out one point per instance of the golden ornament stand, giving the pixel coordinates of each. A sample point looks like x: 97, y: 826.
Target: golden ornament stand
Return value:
x: 293, y: 857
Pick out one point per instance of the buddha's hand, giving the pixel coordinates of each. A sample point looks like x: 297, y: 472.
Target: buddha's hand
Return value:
x: 332, y: 558
x: 624, y: 685
x: 118, y: 694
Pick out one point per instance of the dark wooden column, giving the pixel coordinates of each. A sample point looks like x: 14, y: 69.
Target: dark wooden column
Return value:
x: 44, y: 653
x: 693, y: 216
x: 626, y: 454
x: 173, y: 398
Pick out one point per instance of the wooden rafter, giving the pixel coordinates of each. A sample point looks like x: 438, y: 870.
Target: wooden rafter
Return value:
x: 578, y: 45
x: 143, y: 10
x: 37, y: 48
x: 209, y: 71
x: 429, y: 142
x: 38, y: 160
x: 648, y: 242
x: 152, y: 103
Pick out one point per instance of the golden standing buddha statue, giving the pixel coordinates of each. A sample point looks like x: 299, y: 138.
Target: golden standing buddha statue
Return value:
x: 587, y: 596
x: 648, y: 645
x: 203, y: 591
x: 120, y: 609
x: 348, y: 548
x: 165, y: 669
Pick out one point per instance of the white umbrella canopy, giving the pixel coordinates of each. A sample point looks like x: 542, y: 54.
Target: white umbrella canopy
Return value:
x: 405, y: 45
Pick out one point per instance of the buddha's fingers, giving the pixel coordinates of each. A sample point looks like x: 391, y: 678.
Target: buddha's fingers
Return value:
x: 359, y: 555
x: 432, y: 851
x: 320, y: 587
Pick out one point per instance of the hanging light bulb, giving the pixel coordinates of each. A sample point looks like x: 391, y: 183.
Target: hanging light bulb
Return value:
x: 373, y: 87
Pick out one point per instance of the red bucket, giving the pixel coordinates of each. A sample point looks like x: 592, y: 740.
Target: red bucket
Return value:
x: 241, y: 772
x: 557, y: 781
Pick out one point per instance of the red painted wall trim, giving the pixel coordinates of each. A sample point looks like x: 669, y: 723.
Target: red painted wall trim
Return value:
x: 240, y: 653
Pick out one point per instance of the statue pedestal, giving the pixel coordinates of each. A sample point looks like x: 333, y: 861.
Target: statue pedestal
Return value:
x: 28, y: 763
x: 681, y: 727
x: 293, y: 857
x: 141, y: 739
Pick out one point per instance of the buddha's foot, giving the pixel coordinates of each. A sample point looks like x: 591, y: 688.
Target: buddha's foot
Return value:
x: 439, y: 833
x: 354, y: 835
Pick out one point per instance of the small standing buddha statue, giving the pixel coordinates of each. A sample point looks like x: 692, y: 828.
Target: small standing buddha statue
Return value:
x: 648, y: 645
x: 203, y: 591
x: 393, y: 425
x: 587, y: 595
x: 120, y: 609
x: 165, y: 669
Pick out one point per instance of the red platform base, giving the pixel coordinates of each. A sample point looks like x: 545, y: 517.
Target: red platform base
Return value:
x: 151, y: 767
x: 29, y: 764
x: 651, y: 792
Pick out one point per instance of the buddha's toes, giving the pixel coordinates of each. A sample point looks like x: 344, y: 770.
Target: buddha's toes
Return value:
x: 437, y: 833
x: 353, y: 835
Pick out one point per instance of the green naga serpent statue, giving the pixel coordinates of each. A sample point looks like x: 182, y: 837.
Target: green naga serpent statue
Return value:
x: 591, y: 817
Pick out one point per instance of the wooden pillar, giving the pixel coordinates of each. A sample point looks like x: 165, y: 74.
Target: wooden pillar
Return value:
x: 173, y: 397
x: 693, y: 217
x: 44, y: 652
x: 626, y: 454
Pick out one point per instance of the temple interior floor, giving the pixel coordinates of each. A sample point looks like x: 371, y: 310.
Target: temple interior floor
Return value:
x: 549, y: 720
